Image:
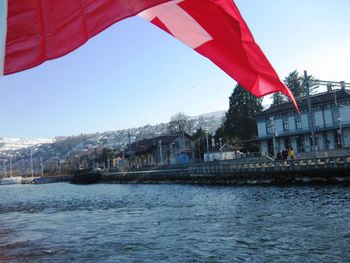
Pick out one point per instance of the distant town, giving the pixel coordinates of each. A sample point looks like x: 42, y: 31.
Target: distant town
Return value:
x: 320, y: 128
x: 52, y: 154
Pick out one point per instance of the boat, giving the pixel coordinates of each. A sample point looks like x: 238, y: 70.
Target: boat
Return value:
x: 11, y: 180
x: 42, y: 180
x: 52, y: 179
x: 86, y: 176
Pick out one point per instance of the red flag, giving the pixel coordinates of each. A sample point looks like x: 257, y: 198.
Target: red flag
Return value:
x: 39, y: 30
x: 215, y: 29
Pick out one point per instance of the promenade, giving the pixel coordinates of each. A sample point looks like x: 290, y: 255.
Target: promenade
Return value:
x: 305, y: 171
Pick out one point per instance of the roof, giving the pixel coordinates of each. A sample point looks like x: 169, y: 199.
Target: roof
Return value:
x: 318, y: 99
x: 147, y: 145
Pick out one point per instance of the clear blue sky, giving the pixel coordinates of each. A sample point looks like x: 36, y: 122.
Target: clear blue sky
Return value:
x: 133, y: 74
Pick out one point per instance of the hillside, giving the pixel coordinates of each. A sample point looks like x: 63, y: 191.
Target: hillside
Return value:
x: 60, y: 148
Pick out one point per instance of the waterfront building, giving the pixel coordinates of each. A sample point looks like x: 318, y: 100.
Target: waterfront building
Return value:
x: 225, y: 152
x: 281, y: 126
x: 159, y: 151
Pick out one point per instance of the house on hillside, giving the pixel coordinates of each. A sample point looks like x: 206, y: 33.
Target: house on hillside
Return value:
x: 159, y: 151
x: 281, y: 126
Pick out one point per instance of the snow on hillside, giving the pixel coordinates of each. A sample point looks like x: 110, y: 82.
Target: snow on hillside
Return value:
x: 112, y: 139
x: 215, y: 114
x: 13, y: 144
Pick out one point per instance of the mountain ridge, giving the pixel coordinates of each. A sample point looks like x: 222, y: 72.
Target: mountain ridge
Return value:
x: 62, y: 147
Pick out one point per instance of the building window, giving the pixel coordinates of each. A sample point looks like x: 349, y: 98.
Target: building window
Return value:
x: 298, y: 123
x: 285, y: 125
x: 269, y: 128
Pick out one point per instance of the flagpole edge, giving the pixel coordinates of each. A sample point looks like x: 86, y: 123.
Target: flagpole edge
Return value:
x: 3, y: 34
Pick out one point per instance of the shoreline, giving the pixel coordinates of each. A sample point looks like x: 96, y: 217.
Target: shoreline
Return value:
x: 311, y: 177
x: 320, y: 171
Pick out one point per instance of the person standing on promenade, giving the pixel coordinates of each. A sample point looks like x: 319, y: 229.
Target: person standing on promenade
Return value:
x: 284, y: 153
x: 291, y: 154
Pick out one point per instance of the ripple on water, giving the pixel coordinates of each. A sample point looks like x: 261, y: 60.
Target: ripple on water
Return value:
x: 173, y: 223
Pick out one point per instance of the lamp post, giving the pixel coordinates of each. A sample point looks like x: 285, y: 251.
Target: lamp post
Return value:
x: 31, y: 164
x: 340, y: 132
x: 310, y: 112
x: 41, y: 166
x: 273, y: 136
x: 11, y: 166
x: 206, y: 134
x: 160, y: 152
x: 173, y: 159
x: 5, y: 168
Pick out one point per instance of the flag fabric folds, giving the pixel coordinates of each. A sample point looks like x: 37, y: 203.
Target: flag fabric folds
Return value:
x: 33, y: 31
x: 39, y: 30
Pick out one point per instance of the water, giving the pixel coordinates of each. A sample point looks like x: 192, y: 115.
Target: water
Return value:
x: 173, y: 223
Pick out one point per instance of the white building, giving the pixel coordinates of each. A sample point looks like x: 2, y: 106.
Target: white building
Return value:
x: 225, y: 152
x: 283, y: 127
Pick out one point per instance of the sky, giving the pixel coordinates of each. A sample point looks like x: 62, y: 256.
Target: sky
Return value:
x: 133, y: 74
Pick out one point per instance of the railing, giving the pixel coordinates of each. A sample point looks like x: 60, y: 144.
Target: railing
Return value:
x: 268, y: 156
x: 324, y: 154
x: 323, y: 163
x: 148, y: 168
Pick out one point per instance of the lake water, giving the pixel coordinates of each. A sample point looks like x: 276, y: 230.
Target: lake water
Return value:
x: 173, y: 223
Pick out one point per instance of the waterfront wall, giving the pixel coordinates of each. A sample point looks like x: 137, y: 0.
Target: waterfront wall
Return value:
x: 148, y: 176
x: 324, y: 171
x: 275, y: 177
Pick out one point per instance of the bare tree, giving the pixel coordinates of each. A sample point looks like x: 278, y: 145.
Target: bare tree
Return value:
x: 180, y: 123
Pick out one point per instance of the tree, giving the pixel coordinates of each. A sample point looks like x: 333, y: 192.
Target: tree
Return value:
x: 240, y: 121
x: 220, y: 132
x: 199, y: 138
x: 179, y: 123
x: 199, y: 134
x: 106, y: 156
x: 278, y: 98
x: 295, y: 82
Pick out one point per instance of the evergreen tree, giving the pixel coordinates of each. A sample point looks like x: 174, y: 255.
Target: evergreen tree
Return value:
x: 278, y: 98
x: 106, y: 155
x: 198, y: 134
x: 220, y: 132
x: 241, y: 117
x: 199, y: 138
x: 295, y: 83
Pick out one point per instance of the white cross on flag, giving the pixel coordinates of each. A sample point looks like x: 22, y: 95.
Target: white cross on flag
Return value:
x: 33, y: 31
